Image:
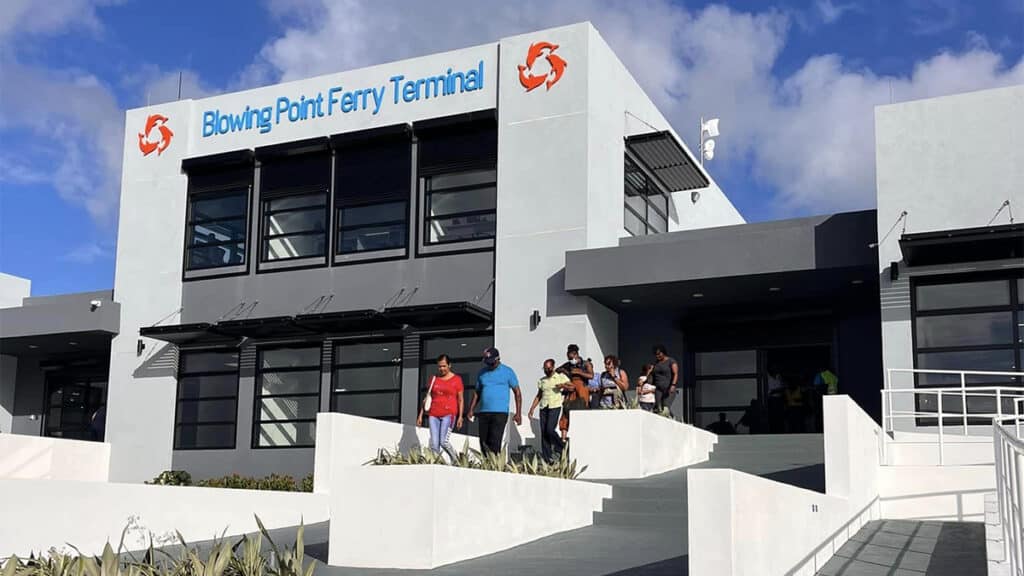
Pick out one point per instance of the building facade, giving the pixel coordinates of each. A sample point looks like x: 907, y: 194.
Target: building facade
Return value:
x: 313, y: 246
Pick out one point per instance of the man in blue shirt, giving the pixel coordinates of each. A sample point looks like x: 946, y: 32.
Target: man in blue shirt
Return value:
x: 491, y: 393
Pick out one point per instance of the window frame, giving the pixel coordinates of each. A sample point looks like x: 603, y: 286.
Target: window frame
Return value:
x: 266, y: 237
x: 181, y: 375
x: 218, y: 190
x: 337, y: 366
x: 1015, y: 346
x: 649, y: 205
x: 426, y: 218
x: 258, y: 396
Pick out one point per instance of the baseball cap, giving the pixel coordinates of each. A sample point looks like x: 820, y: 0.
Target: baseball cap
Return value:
x: 491, y: 356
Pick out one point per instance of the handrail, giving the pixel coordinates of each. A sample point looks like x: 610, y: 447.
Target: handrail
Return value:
x: 1009, y: 453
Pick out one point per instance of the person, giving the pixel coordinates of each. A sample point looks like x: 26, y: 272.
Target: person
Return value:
x: 614, y: 382
x: 774, y: 382
x: 644, y: 389
x: 446, y: 407
x: 493, y: 384
x: 721, y: 427
x: 753, y: 418
x: 549, y: 398
x: 593, y: 385
x: 665, y: 377
x: 577, y: 397
x: 826, y: 382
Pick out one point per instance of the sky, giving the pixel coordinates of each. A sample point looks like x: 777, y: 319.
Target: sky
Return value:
x: 794, y: 83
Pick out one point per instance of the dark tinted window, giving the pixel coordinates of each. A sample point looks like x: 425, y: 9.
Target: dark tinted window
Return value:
x: 207, y: 407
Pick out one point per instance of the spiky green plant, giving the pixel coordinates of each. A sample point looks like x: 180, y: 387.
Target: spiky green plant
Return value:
x: 290, y: 561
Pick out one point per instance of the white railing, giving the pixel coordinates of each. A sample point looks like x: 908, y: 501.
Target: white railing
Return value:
x: 1009, y: 451
x: 945, y: 400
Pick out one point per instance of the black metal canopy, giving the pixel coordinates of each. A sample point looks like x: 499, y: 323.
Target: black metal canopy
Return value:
x: 1003, y: 242
x: 660, y: 153
x: 426, y: 316
x: 196, y: 332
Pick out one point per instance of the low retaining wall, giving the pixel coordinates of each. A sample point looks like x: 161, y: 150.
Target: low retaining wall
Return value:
x: 429, y: 516
x: 346, y: 441
x: 34, y: 457
x: 935, y: 492
x: 634, y: 443
x: 54, y: 513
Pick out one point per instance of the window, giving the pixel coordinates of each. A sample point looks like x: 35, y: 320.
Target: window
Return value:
x: 294, y: 193
x: 646, y: 206
x: 967, y: 324
x: 458, y: 174
x: 461, y: 206
x: 287, y: 396
x: 367, y: 380
x: 465, y: 352
x: 725, y: 382
x: 207, y: 406
x: 372, y: 188
x: 218, y: 218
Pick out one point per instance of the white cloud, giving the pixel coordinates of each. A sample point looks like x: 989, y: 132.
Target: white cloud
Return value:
x: 30, y: 17
x: 89, y: 253
x: 831, y: 12
x: 809, y: 136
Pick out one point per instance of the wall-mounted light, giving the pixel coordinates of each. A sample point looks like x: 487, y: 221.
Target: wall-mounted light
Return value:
x: 139, y: 347
x: 534, y: 320
x: 694, y: 196
x: 94, y: 304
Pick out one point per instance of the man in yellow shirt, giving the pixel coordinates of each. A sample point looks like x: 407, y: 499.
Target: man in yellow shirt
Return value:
x: 549, y: 398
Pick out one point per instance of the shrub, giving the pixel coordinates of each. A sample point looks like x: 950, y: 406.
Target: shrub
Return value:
x: 307, y: 483
x: 468, y: 458
x: 277, y: 482
x: 243, y: 558
x: 172, y: 478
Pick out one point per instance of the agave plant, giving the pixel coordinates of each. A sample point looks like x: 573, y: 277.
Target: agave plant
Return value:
x: 290, y: 561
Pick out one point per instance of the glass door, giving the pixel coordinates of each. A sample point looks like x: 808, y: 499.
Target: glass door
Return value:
x: 725, y: 383
x: 71, y: 403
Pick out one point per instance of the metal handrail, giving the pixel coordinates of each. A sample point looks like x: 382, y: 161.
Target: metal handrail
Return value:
x: 889, y: 414
x: 1009, y: 453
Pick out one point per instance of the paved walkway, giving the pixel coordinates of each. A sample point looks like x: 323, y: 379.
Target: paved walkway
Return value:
x: 642, y: 529
x: 909, y: 548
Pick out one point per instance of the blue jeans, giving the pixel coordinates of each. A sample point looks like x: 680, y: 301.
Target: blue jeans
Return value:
x: 440, y: 429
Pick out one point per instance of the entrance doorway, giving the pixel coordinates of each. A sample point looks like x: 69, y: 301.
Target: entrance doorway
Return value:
x: 71, y: 402
x: 760, y: 390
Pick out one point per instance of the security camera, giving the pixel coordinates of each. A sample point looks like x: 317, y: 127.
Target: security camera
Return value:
x: 94, y: 304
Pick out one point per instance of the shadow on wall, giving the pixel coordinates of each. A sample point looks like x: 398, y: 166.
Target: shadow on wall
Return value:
x: 844, y: 240
x: 160, y: 362
x: 559, y: 302
x: 808, y: 477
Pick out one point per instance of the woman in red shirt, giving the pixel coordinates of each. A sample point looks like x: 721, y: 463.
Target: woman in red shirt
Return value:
x: 445, y: 406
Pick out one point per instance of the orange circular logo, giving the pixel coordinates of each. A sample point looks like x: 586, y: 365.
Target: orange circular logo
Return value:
x: 555, y: 64
x: 156, y: 125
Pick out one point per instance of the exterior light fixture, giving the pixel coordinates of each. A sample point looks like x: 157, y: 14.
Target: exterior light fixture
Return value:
x: 708, y: 130
x: 72, y: 343
x: 698, y: 294
x: 32, y: 346
x: 856, y: 282
x: 534, y: 319
x: 774, y: 289
x: 627, y: 300
x: 139, y: 347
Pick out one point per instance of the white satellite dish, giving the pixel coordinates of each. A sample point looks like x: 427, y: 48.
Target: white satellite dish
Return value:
x: 709, y: 149
x: 710, y: 127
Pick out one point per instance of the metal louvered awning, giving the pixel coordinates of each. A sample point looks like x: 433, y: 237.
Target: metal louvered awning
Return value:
x: 664, y: 157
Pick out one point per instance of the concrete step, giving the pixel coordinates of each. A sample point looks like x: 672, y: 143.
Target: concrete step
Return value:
x: 674, y: 521
x: 638, y: 492
x: 645, y: 506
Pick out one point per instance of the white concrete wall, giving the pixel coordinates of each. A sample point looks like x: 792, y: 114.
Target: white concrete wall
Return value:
x: 922, y: 449
x: 634, y: 443
x: 853, y: 452
x: 950, y: 162
x: 345, y: 442
x: 935, y: 492
x: 13, y: 289
x: 87, y: 515
x: 429, y: 516
x: 36, y: 458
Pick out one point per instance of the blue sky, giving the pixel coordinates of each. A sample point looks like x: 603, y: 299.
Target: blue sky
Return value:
x: 794, y: 84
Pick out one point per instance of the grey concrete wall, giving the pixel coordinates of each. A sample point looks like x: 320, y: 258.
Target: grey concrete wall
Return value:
x: 28, y: 398
x: 437, y: 279
x: 66, y: 313
x: 8, y: 380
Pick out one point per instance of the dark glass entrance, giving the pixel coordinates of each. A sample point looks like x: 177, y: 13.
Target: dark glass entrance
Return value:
x: 71, y: 402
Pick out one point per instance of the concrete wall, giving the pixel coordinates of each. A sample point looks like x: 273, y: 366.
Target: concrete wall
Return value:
x: 13, y: 289
x: 955, y: 493
x: 949, y: 162
x: 345, y: 442
x: 34, y: 458
x: 642, y: 444
x: 27, y: 417
x: 93, y: 513
x: 448, y: 514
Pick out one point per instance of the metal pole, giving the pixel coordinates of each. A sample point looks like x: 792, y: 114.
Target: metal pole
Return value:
x: 942, y: 443
x: 963, y: 400
x: 1016, y: 416
x: 999, y: 405
x: 700, y: 153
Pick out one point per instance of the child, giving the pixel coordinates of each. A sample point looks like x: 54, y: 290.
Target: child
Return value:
x: 645, y: 391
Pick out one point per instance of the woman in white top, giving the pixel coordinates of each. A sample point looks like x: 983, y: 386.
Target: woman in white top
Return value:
x: 645, y: 390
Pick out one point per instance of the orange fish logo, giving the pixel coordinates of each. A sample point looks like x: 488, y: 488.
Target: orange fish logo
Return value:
x: 159, y: 122
x: 556, y: 65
